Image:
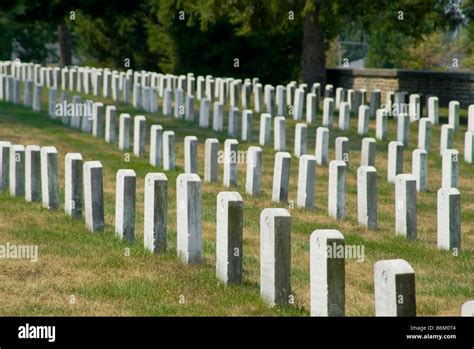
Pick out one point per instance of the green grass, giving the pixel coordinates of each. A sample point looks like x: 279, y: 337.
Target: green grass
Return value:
x: 109, y: 277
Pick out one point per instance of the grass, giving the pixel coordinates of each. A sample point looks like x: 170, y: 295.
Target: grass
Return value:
x: 79, y: 273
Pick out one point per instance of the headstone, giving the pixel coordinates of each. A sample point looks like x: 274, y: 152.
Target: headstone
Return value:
x: 179, y: 109
x: 337, y: 189
x: 299, y: 104
x: 258, y: 98
x: 363, y: 121
x: 301, y: 135
x: 33, y: 173
x: 234, y: 126
x: 17, y: 170
x: 403, y: 128
x: 139, y: 135
x: 98, y: 120
x: 394, y: 284
x: 229, y: 237
x: 414, y: 108
x: 281, y: 177
x: 4, y: 165
x: 188, y: 216
x: 254, y: 170
x: 450, y: 170
x: 93, y: 196
x: 424, y: 134
x: 124, y: 131
x: 210, y: 160
x: 344, y: 116
x: 169, y: 159
x: 37, y: 98
x: 52, y: 100
x: 265, y: 129
x: 73, y: 189
x: 190, y: 154
x: 322, y: 144
x: 449, y: 220
x: 306, y: 181
x: 395, y: 160
x: 125, y: 198
x: 189, y: 108
x: 447, y: 138
x: 420, y: 169
x: 405, y: 206
x: 339, y: 98
x: 469, y: 147
x: 367, y: 196
x: 467, y: 309
x: 110, y: 116
x: 328, y: 112
x: 204, y: 112
x: 375, y: 98
x: 454, y: 114
x: 433, y: 109
x: 327, y: 273
x: 218, y: 118
x: 156, y: 210
x: 167, y: 102
x: 247, y: 117
x: 156, y: 145
x: 342, y: 149
x: 275, y: 256
x: 230, y: 162
x: 279, y: 136
x: 311, y: 107
x: 381, y: 124
x: 368, y: 151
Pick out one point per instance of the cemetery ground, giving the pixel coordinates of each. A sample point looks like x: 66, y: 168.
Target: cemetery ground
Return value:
x: 80, y: 273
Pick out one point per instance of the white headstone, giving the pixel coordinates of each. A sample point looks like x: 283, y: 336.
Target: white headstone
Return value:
x: 254, y: 170
x: 211, y: 166
x: 420, y: 169
x: 265, y: 129
x: 190, y: 154
x: 33, y: 173
x: 156, y: 210
x: 169, y: 158
x: 125, y: 198
x: 301, y: 135
x: 337, y: 189
x: 322, y: 144
x: 281, y: 177
x: 139, y: 135
x: 405, y: 206
x: 279, y: 136
x: 306, y: 181
x: 73, y: 188
x: 93, y: 196
x: 367, y: 196
x: 395, y: 160
x: 230, y: 162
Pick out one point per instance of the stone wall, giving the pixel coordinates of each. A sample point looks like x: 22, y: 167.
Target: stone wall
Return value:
x: 447, y: 86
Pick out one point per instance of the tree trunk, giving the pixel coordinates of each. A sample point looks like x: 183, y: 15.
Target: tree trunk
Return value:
x: 65, y: 50
x: 313, y: 58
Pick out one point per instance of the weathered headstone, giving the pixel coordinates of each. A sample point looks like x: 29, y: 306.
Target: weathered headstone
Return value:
x: 337, y: 189
x: 156, y: 210
x: 17, y: 170
x: 265, y: 129
x: 281, y: 177
x: 311, y: 107
x: 301, y: 135
x: 344, y: 116
x: 188, y: 216
x: 420, y: 169
x: 395, y: 160
x: 328, y: 112
x: 139, y: 135
x: 247, y: 117
x: 298, y: 104
x: 110, y: 116
x: 449, y: 220
x: 342, y: 149
x: 275, y: 256
x: 230, y: 162
x: 254, y: 170
x: 454, y: 114
x: 381, y: 124
x: 424, y: 134
x: 156, y: 145
x: 211, y: 160
x: 190, y: 154
x: 124, y: 131
x: 322, y: 144
x: 4, y: 165
x: 375, y: 98
x: 447, y: 138
x: 433, y: 109
x: 368, y: 151
x: 450, y: 165
x: 306, y: 181
x: 204, y: 112
x: 93, y: 196
x: 327, y: 273
x: 32, y: 173
x: 125, y: 200
x: 279, y: 135
x: 218, y: 118
x: 73, y: 185
x: 169, y: 158
x: 405, y: 206
x: 469, y: 147
x: 363, y: 121
x: 229, y: 237
x: 394, y: 284
x: 367, y: 196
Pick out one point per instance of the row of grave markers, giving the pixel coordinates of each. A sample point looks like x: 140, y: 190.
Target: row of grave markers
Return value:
x: 280, y: 168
